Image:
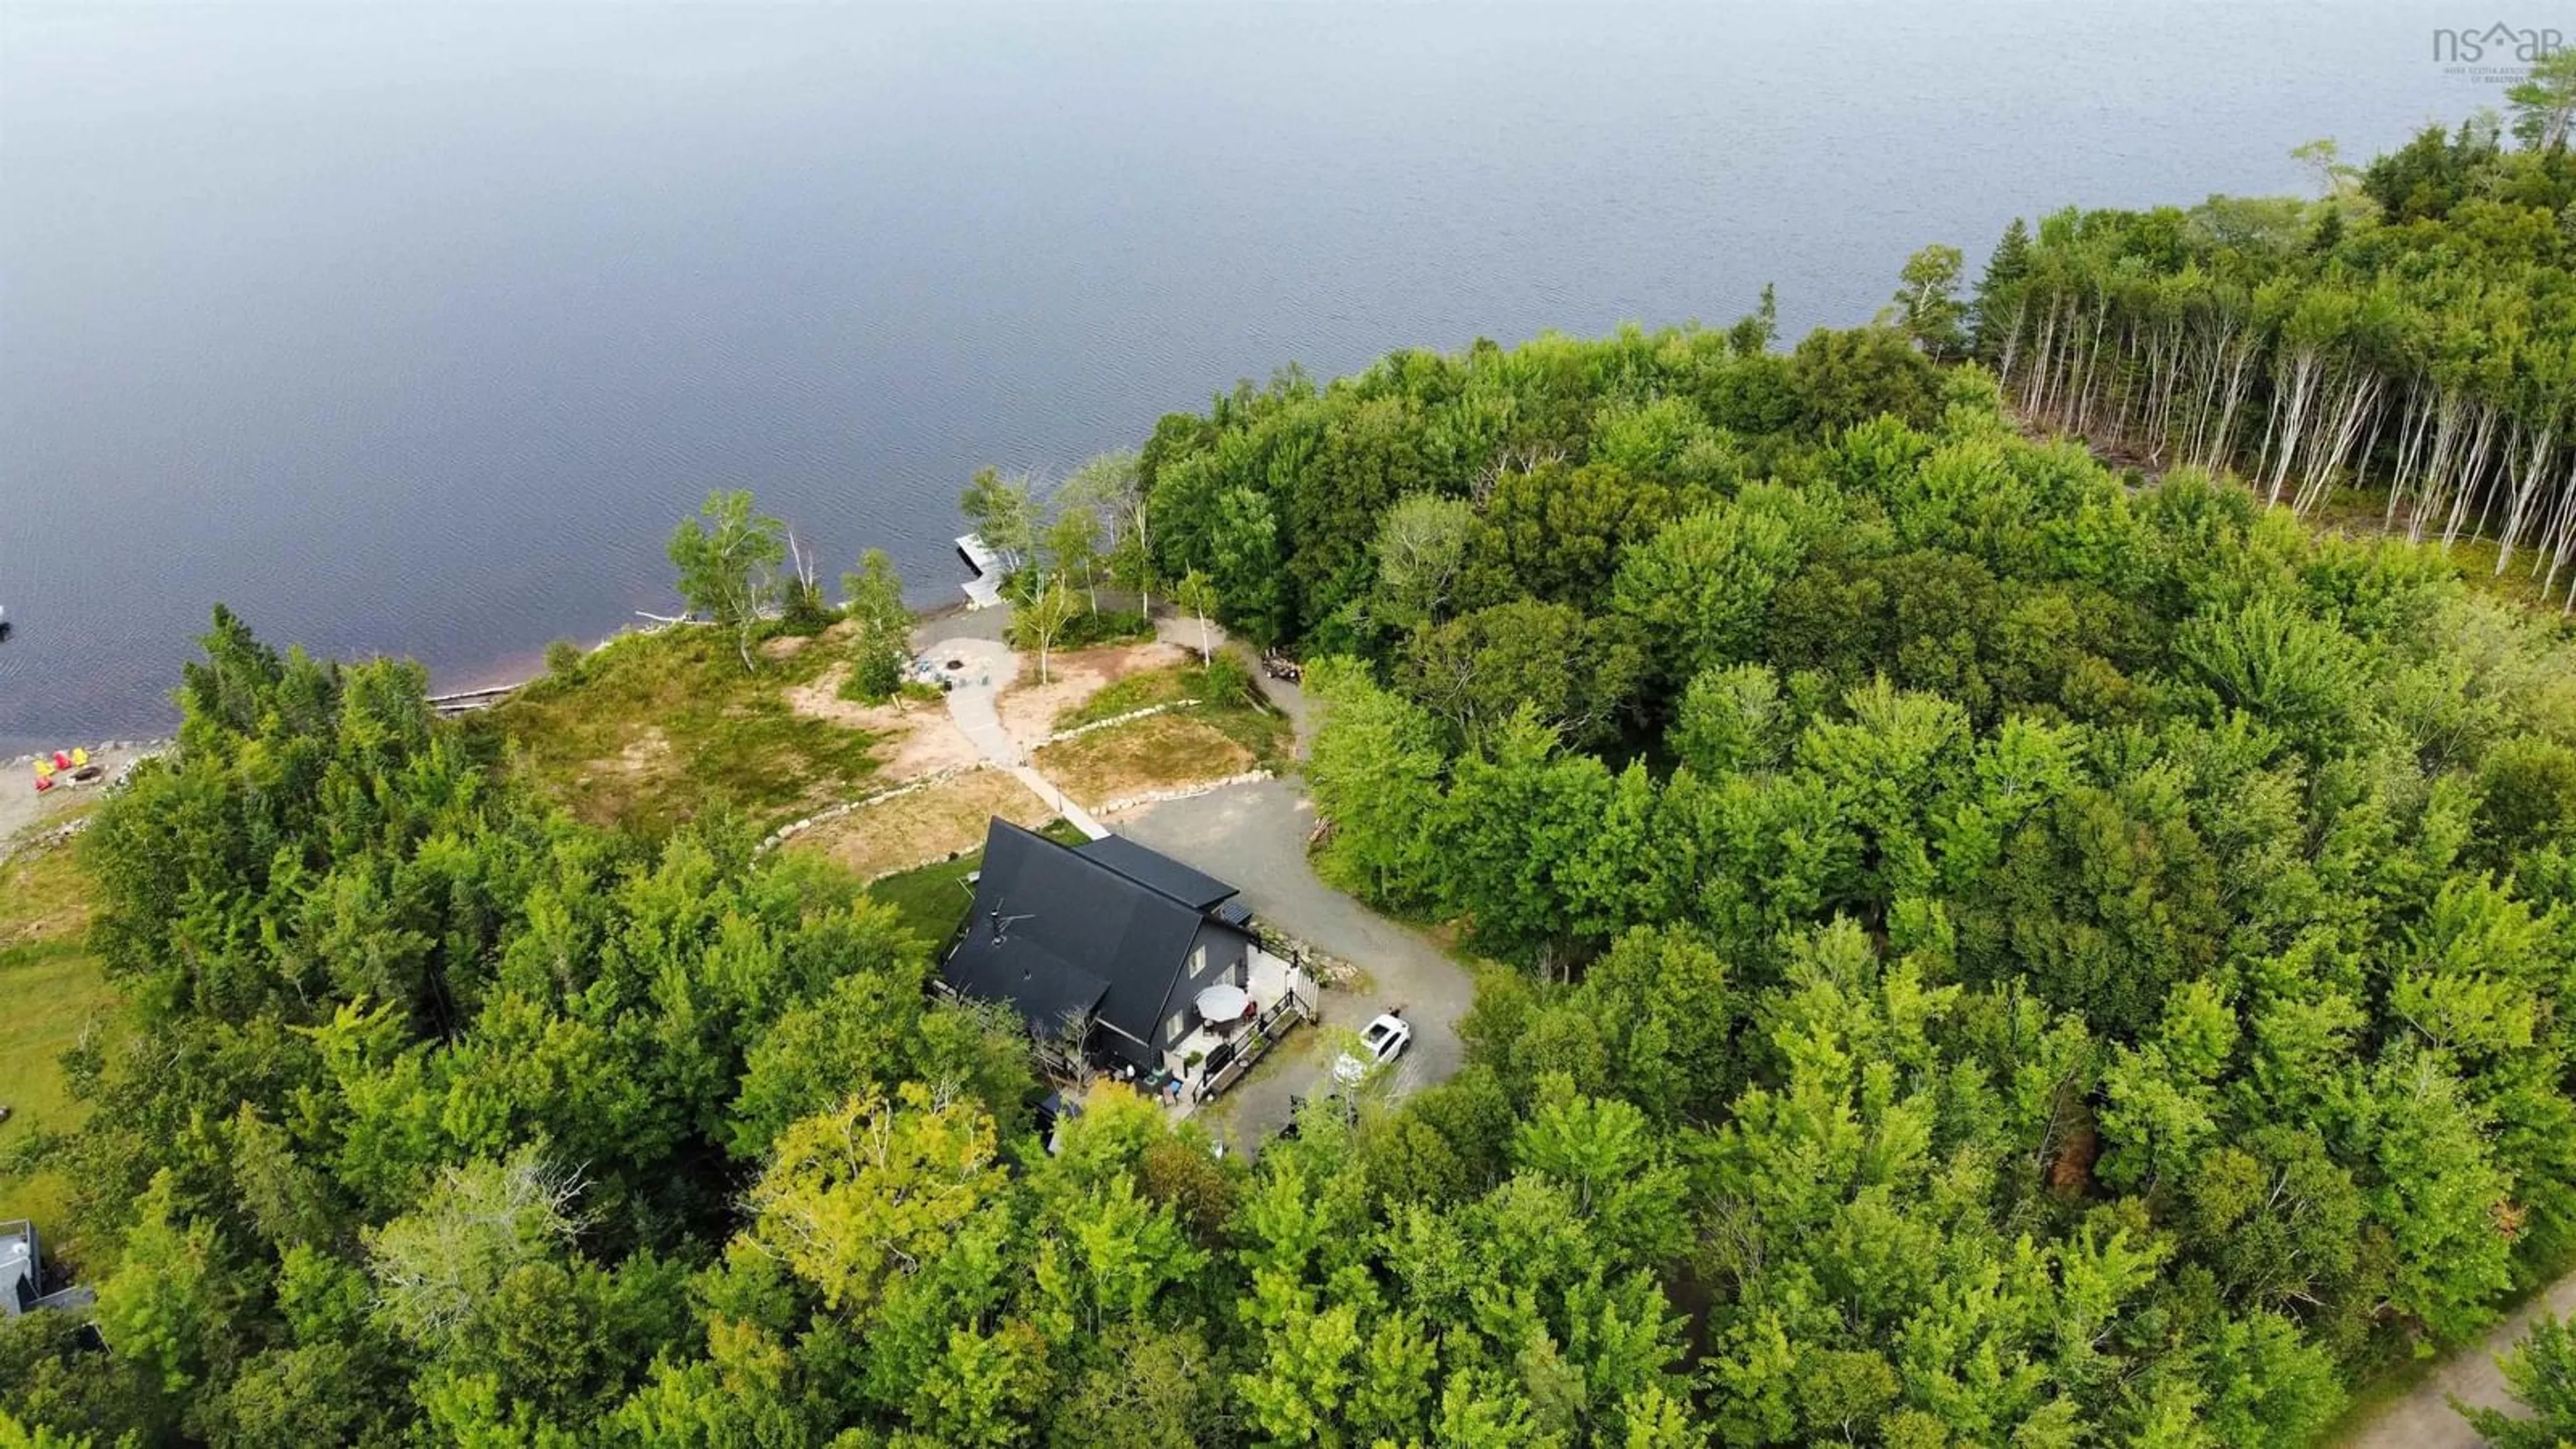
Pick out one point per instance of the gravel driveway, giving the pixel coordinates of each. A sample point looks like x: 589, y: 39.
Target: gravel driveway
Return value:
x: 2424, y: 1419
x: 1254, y: 836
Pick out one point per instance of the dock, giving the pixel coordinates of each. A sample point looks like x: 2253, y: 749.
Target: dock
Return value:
x: 466, y: 701
x: 991, y: 566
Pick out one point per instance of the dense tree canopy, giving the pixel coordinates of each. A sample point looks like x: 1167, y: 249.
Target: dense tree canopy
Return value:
x: 2102, y: 950
x: 2412, y: 333
x: 1995, y: 950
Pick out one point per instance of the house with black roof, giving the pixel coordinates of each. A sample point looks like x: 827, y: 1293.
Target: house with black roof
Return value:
x: 1154, y: 963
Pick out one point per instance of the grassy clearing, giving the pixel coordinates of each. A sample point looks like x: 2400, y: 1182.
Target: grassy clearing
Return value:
x: 934, y: 898
x: 2354, y: 513
x: 1260, y: 731
x: 1229, y: 705
x: 655, y: 731
x: 1137, y: 691
x: 1159, y: 753
x: 928, y: 824
x: 55, y: 992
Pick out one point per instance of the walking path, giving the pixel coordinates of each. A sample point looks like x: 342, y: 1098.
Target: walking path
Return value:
x: 2424, y: 1419
x: 1074, y: 815
x: 989, y: 668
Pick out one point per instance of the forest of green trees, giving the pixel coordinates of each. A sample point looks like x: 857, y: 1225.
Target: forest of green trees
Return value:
x: 2413, y: 333
x: 1991, y: 949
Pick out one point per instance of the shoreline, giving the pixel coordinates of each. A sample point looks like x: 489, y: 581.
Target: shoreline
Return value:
x: 511, y: 671
x: 499, y: 672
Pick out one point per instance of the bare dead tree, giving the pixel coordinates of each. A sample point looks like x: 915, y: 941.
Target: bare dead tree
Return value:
x: 1063, y: 1051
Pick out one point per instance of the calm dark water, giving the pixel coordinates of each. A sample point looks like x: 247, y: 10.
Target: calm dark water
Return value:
x: 414, y: 329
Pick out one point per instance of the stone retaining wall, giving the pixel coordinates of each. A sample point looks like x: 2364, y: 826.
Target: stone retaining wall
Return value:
x: 794, y: 828
x: 1179, y: 792
x: 1130, y: 717
x: 1326, y: 968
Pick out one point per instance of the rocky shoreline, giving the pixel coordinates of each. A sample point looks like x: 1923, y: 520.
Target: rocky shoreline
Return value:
x: 24, y: 810
x: 140, y: 749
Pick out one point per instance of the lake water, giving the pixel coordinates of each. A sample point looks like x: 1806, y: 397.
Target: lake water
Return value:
x: 413, y: 329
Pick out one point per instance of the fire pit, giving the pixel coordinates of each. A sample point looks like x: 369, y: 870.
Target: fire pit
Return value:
x: 956, y: 666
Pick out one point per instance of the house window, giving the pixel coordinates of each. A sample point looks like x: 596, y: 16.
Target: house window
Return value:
x: 1198, y: 962
x: 1179, y: 1023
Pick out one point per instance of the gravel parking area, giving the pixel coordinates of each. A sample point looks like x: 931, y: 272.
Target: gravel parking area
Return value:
x: 1254, y: 836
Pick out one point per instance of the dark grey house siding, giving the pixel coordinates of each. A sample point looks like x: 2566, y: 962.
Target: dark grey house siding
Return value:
x: 1227, y: 949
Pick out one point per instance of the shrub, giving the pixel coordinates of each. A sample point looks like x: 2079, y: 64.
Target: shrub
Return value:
x: 875, y: 677
x: 1225, y: 681
x: 1108, y: 626
x: 563, y: 660
x: 802, y: 610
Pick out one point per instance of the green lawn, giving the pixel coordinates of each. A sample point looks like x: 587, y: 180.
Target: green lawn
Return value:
x: 1231, y: 705
x: 1140, y: 690
x: 933, y: 898
x: 53, y: 990
x: 655, y: 731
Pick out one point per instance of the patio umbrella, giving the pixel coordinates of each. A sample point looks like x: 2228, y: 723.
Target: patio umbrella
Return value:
x: 1222, y: 1002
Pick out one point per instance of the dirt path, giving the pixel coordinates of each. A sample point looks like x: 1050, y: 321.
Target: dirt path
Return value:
x: 2424, y: 1419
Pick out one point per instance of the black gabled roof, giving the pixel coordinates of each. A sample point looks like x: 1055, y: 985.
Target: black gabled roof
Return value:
x: 1057, y: 929
x: 1045, y: 988
x: 1157, y: 871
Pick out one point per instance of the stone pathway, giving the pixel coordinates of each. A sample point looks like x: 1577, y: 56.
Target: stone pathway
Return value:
x: 987, y: 667
x: 1040, y: 786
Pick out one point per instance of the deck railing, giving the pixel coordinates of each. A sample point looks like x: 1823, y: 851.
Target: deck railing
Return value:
x: 1295, y: 1005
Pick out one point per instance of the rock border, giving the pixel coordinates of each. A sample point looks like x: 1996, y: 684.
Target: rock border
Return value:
x: 1179, y: 792
x: 1130, y: 717
x: 829, y: 813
